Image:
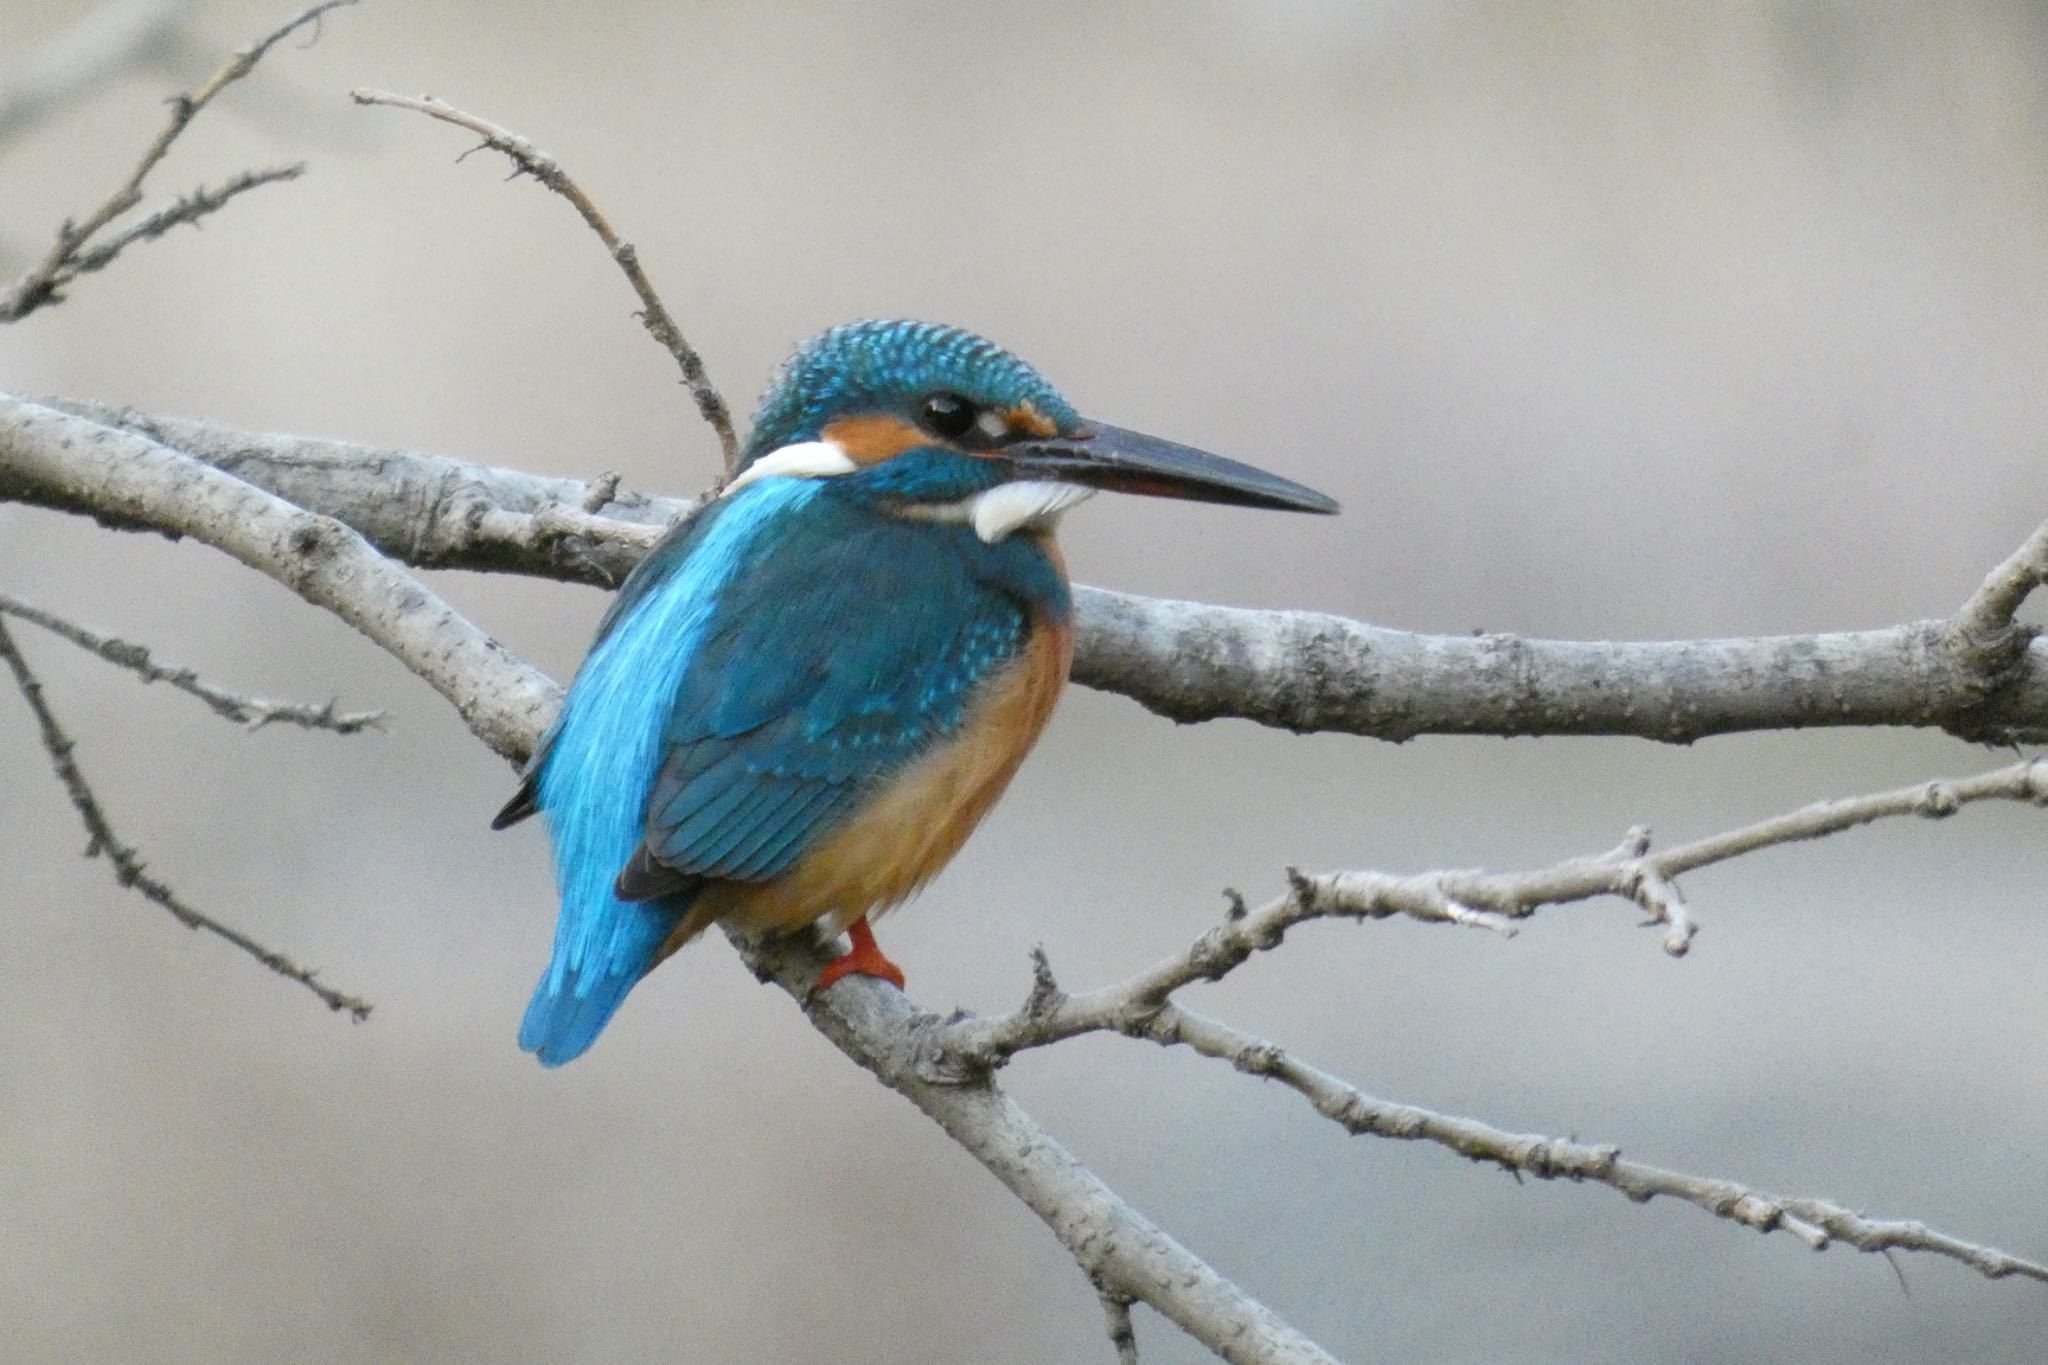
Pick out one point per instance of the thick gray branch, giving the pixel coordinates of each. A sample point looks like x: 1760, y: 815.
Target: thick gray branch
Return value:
x: 1124, y: 1252
x: 54, y: 458
x: 1290, y: 669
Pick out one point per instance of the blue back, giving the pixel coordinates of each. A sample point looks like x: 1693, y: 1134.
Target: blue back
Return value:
x: 595, y: 767
x: 768, y: 665
x: 775, y: 660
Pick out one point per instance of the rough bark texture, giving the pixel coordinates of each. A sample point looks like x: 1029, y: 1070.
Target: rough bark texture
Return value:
x: 1294, y: 670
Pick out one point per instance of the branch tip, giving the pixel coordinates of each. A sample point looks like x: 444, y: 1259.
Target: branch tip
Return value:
x: 528, y: 159
x: 69, y: 257
x: 129, y: 868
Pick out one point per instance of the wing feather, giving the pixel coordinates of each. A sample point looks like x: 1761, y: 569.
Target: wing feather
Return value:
x: 830, y: 669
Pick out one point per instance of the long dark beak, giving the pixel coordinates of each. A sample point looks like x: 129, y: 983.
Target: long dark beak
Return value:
x: 1132, y: 462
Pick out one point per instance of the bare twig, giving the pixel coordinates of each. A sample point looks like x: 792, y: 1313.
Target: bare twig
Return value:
x: 1116, y: 1317
x: 1991, y: 608
x: 1116, y: 1246
x: 46, y: 457
x: 98, y: 45
x: 137, y: 481
x: 1816, y: 1222
x: 65, y: 261
x: 128, y: 868
x: 654, y: 314
x: 507, y: 703
x: 1191, y: 661
x: 254, y: 712
x: 1984, y: 632
x: 186, y: 208
x: 1141, y: 1006
x: 1487, y: 899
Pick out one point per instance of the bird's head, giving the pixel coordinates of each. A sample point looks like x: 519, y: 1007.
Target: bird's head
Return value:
x: 937, y: 423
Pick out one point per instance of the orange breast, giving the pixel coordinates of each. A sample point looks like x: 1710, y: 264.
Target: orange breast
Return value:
x: 915, y: 825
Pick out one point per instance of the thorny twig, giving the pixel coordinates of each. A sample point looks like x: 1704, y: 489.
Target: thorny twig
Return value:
x: 75, y: 252
x: 654, y: 314
x: 254, y: 712
x: 128, y: 867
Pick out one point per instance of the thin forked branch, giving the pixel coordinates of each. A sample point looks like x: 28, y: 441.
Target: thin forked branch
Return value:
x: 185, y: 209
x: 137, y: 481
x: 253, y: 712
x: 1490, y: 900
x: 1142, y: 1006
x: 76, y: 252
x: 128, y: 867
x: 531, y: 160
x: 1817, y: 1222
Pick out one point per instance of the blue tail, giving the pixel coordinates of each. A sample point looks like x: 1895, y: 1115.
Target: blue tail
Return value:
x: 580, y: 991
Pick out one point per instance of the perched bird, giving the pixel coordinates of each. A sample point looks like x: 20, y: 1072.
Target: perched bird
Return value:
x: 809, y: 693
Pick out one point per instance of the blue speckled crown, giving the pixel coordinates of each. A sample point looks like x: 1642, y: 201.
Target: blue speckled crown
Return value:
x: 882, y: 365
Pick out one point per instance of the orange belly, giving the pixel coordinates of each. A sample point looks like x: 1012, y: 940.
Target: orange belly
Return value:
x: 911, y: 828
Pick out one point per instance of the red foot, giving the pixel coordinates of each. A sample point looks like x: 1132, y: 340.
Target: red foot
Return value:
x: 864, y: 959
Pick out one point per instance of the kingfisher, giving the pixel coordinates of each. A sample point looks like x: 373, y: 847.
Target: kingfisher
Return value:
x: 804, y: 699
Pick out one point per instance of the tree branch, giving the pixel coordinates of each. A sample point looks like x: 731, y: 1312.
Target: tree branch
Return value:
x: 75, y: 252
x: 186, y: 208
x: 128, y: 868
x: 55, y: 458
x: 253, y: 712
x: 1489, y: 900
x: 1293, y: 670
x: 1142, y: 1006
x: 881, y: 1030
x: 1816, y: 1222
x: 1116, y: 1318
x: 507, y: 703
x: 530, y: 160
x: 138, y: 482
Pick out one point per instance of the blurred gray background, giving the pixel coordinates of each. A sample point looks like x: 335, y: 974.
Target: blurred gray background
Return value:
x: 1601, y: 320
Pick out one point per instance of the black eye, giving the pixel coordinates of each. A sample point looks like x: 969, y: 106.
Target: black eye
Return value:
x: 947, y: 414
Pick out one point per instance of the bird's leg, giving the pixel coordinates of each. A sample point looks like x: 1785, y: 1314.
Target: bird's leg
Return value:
x: 863, y: 959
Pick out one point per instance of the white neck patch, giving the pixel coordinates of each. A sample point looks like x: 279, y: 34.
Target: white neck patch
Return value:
x: 1002, y: 511
x: 804, y: 460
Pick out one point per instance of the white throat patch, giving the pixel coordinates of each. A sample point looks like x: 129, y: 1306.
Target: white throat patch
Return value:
x: 1011, y: 507
x: 804, y: 460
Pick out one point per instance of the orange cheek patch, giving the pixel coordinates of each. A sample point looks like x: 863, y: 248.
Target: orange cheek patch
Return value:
x: 873, y: 437
x: 1027, y: 420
